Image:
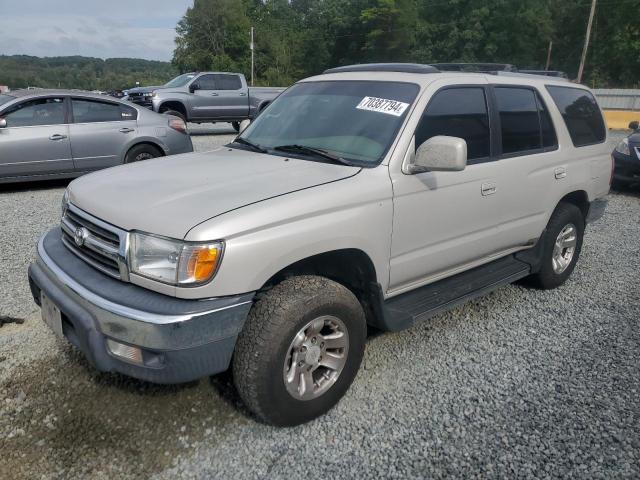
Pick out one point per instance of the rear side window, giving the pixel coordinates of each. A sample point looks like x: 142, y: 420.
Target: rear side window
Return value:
x: 519, y: 121
x: 524, y: 120
x: 458, y: 112
x: 581, y: 115
x: 91, y: 111
x: 228, y: 82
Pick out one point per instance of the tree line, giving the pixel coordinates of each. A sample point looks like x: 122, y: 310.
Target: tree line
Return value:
x: 21, y: 71
x: 298, y: 38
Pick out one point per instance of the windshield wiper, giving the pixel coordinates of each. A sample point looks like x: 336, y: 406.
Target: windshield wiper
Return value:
x: 317, y: 152
x: 253, y: 146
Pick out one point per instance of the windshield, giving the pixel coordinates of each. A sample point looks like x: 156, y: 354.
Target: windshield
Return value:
x: 180, y: 81
x: 354, y: 120
x: 6, y: 98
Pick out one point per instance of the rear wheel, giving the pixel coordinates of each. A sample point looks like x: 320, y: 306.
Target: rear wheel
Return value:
x: 142, y: 152
x: 300, y: 349
x: 562, y: 246
x: 236, y: 126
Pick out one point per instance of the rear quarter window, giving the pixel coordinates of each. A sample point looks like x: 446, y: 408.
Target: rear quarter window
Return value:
x: 581, y: 114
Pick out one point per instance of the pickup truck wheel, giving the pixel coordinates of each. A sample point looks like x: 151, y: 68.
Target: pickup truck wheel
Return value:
x: 236, y: 126
x: 299, y: 351
x: 176, y: 114
x: 142, y: 152
x: 562, y: 246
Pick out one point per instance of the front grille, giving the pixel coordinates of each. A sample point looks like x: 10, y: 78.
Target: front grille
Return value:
x: 97, y: 243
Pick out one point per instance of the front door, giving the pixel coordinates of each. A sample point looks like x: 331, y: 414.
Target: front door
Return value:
x: 100, y: 132
x: 447, y: 221
x: 36, y: 139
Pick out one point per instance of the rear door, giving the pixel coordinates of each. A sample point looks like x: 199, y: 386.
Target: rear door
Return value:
x: 36, y: 139
x: 220, y: 96
x: 100, y: 132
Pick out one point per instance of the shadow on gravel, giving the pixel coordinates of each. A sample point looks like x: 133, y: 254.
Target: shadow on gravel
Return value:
x: 35, y: 185
x: 59, y: 412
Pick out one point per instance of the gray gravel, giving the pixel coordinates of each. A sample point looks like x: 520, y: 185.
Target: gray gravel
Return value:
x: 521, y: 383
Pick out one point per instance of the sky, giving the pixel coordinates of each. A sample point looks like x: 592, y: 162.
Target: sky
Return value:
x: 92, y: 28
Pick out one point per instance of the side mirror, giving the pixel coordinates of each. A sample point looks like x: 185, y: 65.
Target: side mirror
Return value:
x: 193, y: 87
x: 243, y: 125
x: 440, y: 154
x: 3, y: 123
x: 634, y: 125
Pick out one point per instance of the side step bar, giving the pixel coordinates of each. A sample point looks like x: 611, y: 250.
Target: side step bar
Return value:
x: 404, y: 310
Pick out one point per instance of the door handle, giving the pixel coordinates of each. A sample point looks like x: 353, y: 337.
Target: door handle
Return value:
x: 488, y: 189
x: 126, y: 130
x: 243, y: 94
x: 560, y: 173
x: 214, y: 94
x: 57, y: 136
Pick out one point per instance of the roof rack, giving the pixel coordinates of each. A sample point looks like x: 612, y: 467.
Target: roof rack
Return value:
x: 548, y: 73
x: 385, y: 67
x: 475, y: 67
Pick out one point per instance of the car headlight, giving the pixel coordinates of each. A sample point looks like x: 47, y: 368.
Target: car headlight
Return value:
x: 173, y: 261
x: 65, y: 202
x: 623, y: 147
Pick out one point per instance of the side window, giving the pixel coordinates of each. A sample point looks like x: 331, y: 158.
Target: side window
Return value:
x: 207, y: 82
x: 228, y: 82
x: 520, y: 124
x: 458, y: 112
x: 43, y: 111
x: 549, y: 139
x: 580, y: 113
x: 93, y: 111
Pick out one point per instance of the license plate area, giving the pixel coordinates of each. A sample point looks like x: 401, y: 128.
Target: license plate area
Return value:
x: 51, y: 315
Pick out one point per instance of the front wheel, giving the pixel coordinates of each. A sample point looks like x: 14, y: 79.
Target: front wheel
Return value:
x: 561, y: 248
x: 300, y: 350
x: 236, y: 126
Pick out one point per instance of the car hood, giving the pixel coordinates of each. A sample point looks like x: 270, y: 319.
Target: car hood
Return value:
x: 169, y: 196
x: 142, y: 89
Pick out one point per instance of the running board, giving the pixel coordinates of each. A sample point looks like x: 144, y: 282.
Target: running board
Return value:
x: 404, y: 310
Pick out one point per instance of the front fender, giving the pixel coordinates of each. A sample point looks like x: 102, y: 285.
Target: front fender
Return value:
x: 264, y: 238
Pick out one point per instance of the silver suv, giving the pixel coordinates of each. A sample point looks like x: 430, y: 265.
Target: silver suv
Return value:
x: 370, y: 195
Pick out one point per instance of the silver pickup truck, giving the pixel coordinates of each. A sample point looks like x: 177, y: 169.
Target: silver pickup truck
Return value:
x: 209, y: 97
x: 371, y: 195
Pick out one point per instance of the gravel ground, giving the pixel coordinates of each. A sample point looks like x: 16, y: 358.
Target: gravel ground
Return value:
x: 520, y: 383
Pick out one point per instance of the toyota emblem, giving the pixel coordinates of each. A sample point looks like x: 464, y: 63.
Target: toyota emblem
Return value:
x: 80, y: 236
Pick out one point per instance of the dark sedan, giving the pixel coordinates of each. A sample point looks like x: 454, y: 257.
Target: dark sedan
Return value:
x: 627, y: 158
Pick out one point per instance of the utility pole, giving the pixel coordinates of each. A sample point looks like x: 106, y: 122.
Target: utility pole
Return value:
x: 251, y: 46
x: 549, y: 55
x: 586, y: 41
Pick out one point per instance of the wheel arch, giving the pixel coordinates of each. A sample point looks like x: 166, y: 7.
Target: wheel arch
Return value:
x: 580, y: 199
x: 350, y: 267
x: 158, y: 146
x: 176, y: 105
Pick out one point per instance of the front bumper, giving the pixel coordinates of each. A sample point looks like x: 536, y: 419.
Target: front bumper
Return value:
x: 181, y: 340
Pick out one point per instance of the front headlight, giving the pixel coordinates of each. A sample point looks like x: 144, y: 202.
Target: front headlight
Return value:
x: 174, y: 261
x: 623, y: 147
x: 65, y: 202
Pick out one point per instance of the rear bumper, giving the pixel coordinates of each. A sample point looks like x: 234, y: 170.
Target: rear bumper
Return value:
x: 181, y: 340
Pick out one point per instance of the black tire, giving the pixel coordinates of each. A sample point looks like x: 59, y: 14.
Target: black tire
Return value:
x: 236, y: 126
x: 176, y: 114
x: 142, y: 152
x: 564, y: 215
x: 264, y: 344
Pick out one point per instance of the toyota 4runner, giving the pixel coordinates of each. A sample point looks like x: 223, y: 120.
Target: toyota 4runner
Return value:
x: 370, y: 195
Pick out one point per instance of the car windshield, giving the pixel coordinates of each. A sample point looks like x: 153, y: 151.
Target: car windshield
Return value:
x: 355, y: 121
x: 180, y: 81
x: 5, y: 98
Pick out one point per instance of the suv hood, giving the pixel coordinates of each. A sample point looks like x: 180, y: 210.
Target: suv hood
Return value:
x: 169, y: 196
